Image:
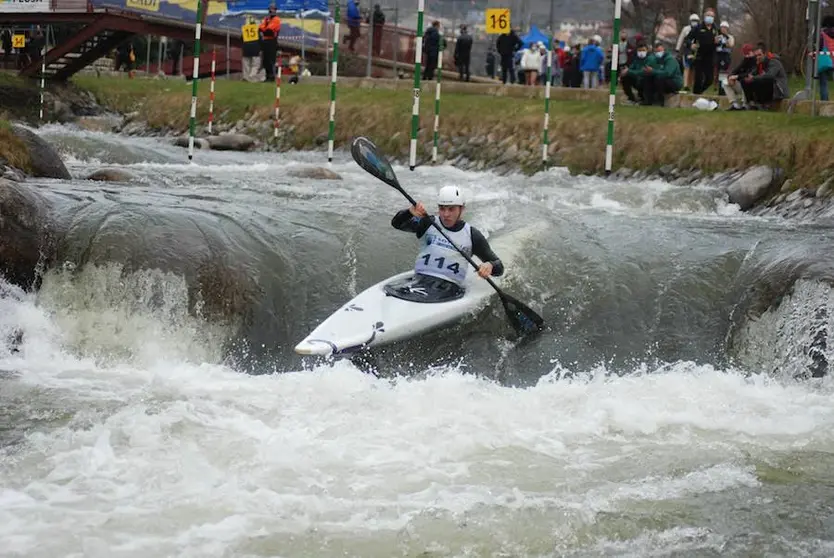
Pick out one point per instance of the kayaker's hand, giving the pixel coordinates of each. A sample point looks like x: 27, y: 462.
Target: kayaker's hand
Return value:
x: 418, y: 210
x: 485, y: 269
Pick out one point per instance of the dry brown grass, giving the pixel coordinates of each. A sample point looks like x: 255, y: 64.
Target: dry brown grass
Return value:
x: 646, y: 138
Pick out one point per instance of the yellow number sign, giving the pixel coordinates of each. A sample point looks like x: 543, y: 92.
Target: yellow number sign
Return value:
x: 149, y: 5
x: 498, y: 20
x: 18, y: 41
x: 250, y: 32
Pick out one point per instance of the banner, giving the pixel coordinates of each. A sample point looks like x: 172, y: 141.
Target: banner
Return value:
x: 220, y: 15
x: 7, y: 6
x: 306, y: 7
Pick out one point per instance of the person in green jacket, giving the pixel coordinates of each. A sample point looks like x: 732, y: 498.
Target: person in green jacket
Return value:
x: 661, y: 76
x: 632, y: 77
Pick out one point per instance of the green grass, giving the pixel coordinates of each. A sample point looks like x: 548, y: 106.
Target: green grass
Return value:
x: 645, y: 137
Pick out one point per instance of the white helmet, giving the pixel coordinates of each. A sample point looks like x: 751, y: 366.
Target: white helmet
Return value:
x: 450, y: 195
x: 694, y: 17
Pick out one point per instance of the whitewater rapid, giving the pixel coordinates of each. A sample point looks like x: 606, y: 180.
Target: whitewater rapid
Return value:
x: 126, y: 430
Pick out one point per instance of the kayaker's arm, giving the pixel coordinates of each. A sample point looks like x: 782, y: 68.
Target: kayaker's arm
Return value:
x: 482, y: 249
x: 405, y: 221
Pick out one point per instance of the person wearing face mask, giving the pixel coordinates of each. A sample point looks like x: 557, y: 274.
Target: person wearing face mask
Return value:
x: 661, y: 77
x: 724, y: 53
x: 732, y: 83
x: 704, y: 38
x: 632, y: 76
x: 685, y: 53
x: 767, y: 84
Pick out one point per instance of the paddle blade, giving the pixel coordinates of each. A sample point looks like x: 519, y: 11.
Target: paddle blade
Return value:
x: 522, y: 318
x: 368, y: 156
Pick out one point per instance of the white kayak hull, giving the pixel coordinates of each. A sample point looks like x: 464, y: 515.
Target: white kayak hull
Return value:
x: 374, y: 318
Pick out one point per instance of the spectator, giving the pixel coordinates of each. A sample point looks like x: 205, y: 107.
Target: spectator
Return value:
x: 270, y: 28
x: 704, y: 37
x: 463, y: 53
x: 724, y: 54
x: 661, y: 77
x: 252, y: 65
x: 531, y: 62
x: 560, y: 59
x: 590, y: 62
x: 507, y: 44
x: 490, y: 61
x: 685, y: 52
x: 632, y: 76
x: 378, y: 18
x: 767, y: 85
x: 732, y: 85
x: 354, y: 21
x: 431, y: 48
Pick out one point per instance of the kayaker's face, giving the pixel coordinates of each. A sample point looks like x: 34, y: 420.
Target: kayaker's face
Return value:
x: 449, y: 214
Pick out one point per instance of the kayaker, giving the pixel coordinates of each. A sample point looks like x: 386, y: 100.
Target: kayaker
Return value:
x: 440, y: 268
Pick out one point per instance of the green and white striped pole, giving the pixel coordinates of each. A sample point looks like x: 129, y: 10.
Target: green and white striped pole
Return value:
x: 437, y: 105
x: 545, y: 139
x: 612, y: 93
x: 415, y: 107
x: 194, y: 75
x: 333, y: 73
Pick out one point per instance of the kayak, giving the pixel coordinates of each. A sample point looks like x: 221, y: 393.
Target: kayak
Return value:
x: 391, y: 311
x: 386, y: 312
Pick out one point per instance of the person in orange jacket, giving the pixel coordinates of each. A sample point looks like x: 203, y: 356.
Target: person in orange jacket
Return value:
x: 270, y: 28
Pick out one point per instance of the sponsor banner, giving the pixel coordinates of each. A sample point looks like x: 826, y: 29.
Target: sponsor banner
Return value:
x: 7, y: 6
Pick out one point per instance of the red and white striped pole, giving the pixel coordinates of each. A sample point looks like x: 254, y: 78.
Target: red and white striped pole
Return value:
x: 277, y: 98
x: 211, y: 94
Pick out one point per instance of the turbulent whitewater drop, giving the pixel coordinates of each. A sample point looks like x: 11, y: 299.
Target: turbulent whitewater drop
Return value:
x: 152, y: 404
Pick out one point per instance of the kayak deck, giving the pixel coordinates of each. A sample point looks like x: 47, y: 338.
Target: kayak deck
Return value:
x: 376, y: 317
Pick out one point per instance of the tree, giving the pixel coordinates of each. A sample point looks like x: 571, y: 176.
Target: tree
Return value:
x: 781, y: 25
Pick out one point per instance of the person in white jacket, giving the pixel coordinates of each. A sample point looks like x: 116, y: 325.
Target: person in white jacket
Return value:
x: 531, y: 63
x: 685, y: 53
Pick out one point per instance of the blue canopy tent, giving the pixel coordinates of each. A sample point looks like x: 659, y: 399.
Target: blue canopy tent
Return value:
x: 305, y: 8
x: 535, y: 36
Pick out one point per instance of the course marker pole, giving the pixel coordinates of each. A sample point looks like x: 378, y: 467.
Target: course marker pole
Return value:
x: 211, y: 91
x: 545, y: 139
x: 415, y: 105
x: 194, y: 75
x: 437, y: 105
x: 334, y: 72
x: 612, y: 94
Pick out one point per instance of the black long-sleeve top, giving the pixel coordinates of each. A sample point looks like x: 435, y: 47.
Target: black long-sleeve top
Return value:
x: 405, y: 221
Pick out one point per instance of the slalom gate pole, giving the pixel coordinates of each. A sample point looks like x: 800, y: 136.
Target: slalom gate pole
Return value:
x: 334, y: 72
x: 612, y: 94
x: 415, y: 105
x: 211, y: 93
x: 277, y: 98
x: 194, y: 75
x: 545, y: 139
x: 437, y: 105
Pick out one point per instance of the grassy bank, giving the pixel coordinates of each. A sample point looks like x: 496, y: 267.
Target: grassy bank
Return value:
x: 12, y: 149
x: 485, y: 127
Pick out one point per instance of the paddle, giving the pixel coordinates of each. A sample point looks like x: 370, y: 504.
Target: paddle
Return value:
x: 367, y: 156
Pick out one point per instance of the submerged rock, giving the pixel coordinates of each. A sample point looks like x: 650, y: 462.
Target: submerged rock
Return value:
x: 46, y: 163
x: 111, y: 175
x: 231, y: 142
x: 318, y: 173
x: 199, y: 143
x: 752, y: 186
x: 23, y: 231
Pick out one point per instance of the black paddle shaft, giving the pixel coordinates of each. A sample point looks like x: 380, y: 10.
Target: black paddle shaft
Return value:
x: 367, y: 155
x: 446, y: 236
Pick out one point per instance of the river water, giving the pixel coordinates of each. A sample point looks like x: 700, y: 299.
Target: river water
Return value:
x: 154, y: 406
